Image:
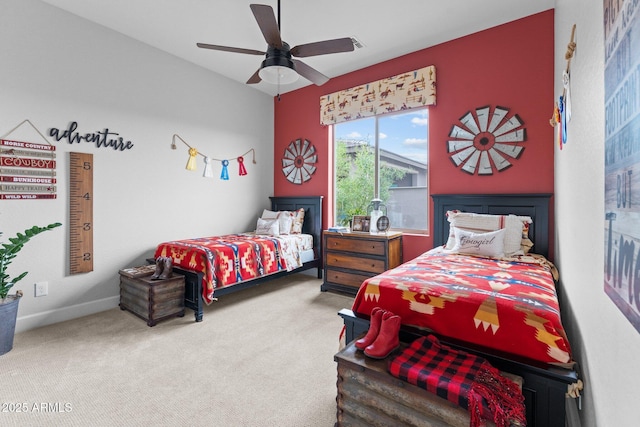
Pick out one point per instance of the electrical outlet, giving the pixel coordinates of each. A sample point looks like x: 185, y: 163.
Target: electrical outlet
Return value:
x: 41, y: 289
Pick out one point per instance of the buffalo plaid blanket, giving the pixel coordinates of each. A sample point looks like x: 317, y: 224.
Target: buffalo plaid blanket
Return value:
x: 467, y: 380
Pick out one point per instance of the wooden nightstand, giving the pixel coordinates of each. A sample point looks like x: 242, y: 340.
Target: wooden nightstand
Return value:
x: 350, y: 258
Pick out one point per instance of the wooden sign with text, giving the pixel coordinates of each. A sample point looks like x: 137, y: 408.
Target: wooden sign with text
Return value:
x: 27, y: 170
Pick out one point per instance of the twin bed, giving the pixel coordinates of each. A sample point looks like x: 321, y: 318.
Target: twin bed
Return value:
x: 218, y: 265
x: 504, y: 308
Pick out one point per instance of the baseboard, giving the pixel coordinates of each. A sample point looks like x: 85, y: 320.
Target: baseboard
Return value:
x: 572, y: 417
x: 50, y: 317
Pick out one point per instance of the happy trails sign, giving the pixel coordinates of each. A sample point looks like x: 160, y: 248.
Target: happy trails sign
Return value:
x: 27, y: 170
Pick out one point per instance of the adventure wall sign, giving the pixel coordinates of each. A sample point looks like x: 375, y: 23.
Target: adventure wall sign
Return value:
x: 102, y: 139
x: 28, y: 170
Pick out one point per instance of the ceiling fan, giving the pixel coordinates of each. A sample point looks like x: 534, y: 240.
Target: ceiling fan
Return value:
x: 279, y: 67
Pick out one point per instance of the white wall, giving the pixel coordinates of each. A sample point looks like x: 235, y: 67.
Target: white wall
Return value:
x: 56, y: 68
x: 603, y: 340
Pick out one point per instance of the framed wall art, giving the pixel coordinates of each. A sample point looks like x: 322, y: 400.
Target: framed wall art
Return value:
x: 622, y: 161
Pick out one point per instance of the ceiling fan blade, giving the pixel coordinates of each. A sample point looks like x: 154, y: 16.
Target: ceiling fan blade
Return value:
x: 230, y: 49
x: 344, y: 44
x: 311, y: 74
x: 255, y: 78
x: 268, y: 24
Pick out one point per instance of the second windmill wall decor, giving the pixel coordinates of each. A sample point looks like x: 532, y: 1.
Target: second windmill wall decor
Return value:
x: 298, y: 161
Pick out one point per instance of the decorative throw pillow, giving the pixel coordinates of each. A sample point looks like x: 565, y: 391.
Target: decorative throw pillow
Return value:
x: 482, y: 223
x: 267, y: 214
x: 526, y: 244
x: 270, y: 227
x: 489, y: 244
x: 285, y: 218
x: 298, y: 220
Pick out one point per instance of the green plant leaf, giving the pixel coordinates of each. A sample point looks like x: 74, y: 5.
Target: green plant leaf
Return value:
x: 9, y: 252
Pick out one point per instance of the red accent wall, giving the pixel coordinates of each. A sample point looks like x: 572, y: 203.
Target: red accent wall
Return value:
x: 511, y: 65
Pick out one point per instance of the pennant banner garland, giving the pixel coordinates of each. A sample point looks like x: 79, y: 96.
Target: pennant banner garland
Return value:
x: 208, y: 173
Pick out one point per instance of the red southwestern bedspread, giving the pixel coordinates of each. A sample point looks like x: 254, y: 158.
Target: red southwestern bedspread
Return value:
x: 507, y: 305
x: 234, y: 258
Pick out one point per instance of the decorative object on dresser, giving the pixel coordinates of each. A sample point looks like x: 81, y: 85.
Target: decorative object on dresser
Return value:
x: 351, y: 258
x: 152, y: 299
x: 360, y: 223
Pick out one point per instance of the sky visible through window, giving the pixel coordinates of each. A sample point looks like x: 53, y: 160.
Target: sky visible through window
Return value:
x: 403, y: 133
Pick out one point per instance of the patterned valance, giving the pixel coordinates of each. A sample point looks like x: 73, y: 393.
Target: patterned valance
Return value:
x: 402, y: 92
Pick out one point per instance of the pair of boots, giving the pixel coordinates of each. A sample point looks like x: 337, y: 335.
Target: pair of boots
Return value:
x: 164, y: 268
x: 383, y: 336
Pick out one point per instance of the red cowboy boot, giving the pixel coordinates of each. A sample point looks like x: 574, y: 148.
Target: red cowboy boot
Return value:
x: 377, y: 314
x: 388, y: 339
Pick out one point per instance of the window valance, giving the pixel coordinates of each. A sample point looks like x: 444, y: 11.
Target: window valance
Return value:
x: 408, y: 90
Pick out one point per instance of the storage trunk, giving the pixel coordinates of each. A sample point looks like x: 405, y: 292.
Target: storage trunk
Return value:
x: 369, y: 396
x: 152, y: 300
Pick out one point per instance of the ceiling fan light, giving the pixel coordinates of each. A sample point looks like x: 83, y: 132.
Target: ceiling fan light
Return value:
x: 278, y: 70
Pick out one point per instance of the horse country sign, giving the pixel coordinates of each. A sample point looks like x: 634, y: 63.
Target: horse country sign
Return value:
x: 27, y: 170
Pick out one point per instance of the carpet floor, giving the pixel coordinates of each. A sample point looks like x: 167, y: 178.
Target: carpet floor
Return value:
x: 260, y: 357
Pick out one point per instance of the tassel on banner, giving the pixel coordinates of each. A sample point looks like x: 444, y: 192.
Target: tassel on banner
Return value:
x: 191, y: 163
x: 208, y: 172
x: 241, y: 169
x: 225, y: 172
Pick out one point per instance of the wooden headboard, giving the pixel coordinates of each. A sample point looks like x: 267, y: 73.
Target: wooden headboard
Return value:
x: 534, y: 205
x: 312, y: 216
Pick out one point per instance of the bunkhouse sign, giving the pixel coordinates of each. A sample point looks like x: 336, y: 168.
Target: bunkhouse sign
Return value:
x: 28, y: 170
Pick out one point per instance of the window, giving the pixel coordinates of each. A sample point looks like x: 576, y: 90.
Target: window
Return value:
x: 383, y: 157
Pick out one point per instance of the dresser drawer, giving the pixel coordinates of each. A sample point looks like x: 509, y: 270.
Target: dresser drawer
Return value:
x: 361, y: 246
x: 355, y: 262
x: 343, y: 278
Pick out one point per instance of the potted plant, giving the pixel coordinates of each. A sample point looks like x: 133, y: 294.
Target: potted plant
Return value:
x: 9, y: 303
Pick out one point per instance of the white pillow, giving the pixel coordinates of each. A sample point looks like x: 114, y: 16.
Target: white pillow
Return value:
x: 482, y: 223
x: 489, y: 244
x: 270, y: 227
x: 267, y: 214
x: 285, y: 218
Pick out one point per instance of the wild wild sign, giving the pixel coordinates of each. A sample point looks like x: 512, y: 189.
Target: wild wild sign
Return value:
x: 622, y: 157
x: 27, y: 170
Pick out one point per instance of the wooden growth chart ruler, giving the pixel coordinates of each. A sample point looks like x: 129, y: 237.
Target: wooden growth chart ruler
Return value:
x: 81, y: 213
